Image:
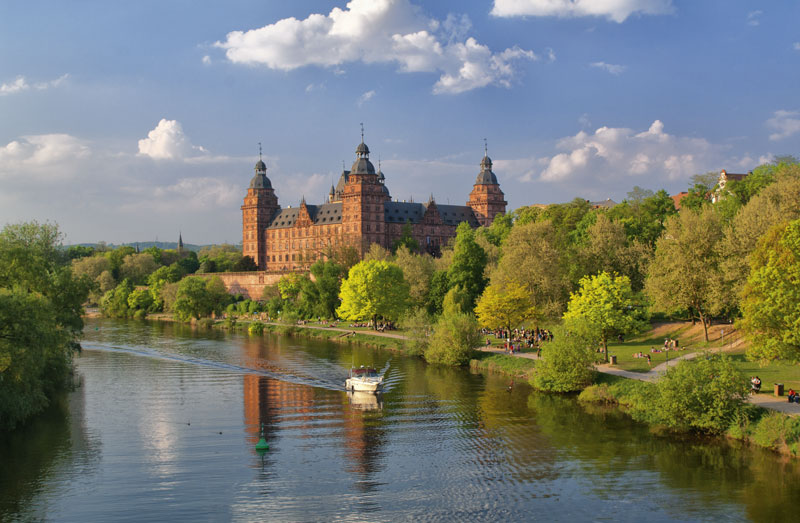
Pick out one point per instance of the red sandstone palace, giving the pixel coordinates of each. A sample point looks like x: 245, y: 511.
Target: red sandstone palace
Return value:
x: 359, y: 212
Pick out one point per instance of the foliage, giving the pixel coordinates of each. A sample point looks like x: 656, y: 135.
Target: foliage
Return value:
x: 417, y: 271
x: 504, y: 307
x: 567, y: 362
x: 532, y: 259
x: 440, y: 284
x: 705, y: 394
x: 373, y: 288
x: 417, y: 324
x: 137, y: 267
x: 115, y: 302
x: 771, y: 296
x: 685, y: 269
x: 40, y: 318
x: 377, y: 252
x: 198, y: 297
x: 777, y: 431
x: 256, y: 328
x: 406, y: 239
x: 456, y: 300
x: 454, y: 339
x: 75, y: 252
x: 607, y: 304
x: 469, y: 262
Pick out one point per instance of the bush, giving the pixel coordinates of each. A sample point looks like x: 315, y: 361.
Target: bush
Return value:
x: 454, y: 339
x: 598, y: 394
x: 706, y: 394
x: 230, y: 322
x: 567, y: 363
x: 205, y: 323
x: 140, y: 314
x: 256, y: 328
x: 777, y: 431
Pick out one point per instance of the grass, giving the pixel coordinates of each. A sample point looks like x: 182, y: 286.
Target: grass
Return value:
x: 775, y: 372
x: 503, y: 363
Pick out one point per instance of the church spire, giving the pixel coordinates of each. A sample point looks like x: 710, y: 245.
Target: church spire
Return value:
x: 180, y: 243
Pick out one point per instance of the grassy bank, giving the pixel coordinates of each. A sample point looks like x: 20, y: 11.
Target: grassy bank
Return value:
x: 754, y: 425
x: 503, y: 364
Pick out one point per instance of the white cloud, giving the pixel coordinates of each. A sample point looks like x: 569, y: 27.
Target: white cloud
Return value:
x: 41, y: 151
x: 20, y: 84
x: 206, y: 60
x: 365, y: 97
x: 167, y: 142
x: 378, y: 31
x: 615, y: 10
x: 618, y: 153
x: 753, y: 17
x: 796, y: 46
x: 785, y: 123
x: 610, y: 68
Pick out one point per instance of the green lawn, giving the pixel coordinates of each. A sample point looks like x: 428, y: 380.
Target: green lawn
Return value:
x: 776, y: 372
x: 625, y: 351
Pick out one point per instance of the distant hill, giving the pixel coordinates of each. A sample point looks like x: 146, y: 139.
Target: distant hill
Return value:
x: 145, y: 245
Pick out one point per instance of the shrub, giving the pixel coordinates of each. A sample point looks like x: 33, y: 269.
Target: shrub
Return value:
x: 256, y: 328
x: 776, y: 431
x: 230, y: 322
x: 567, y: 362
x: 597, y: 394
x: 205, y: 323
x: 140, y: 314
x: 454, y: 339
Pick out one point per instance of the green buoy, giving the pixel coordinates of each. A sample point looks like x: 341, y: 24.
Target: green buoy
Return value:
x: 262, y: 445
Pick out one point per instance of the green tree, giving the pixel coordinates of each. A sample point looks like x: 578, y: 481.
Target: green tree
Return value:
x: 137, y: 267
x: 685, y: 268
x: 417, y: 271
x: 40, y: 318
x: 328, y: 276
x: 115, y: 302
x: 771, y: 316
x: 567, y: 363
x: 706, y: 394
x: 406, y: 239
x: 440, y: 284
x: 469, y: 262
x: 505, y: 307
x: 116, y: 257
x: 607, y: 304
x: 373, y: 288
x: 454, y: 339
x: 198, y: 297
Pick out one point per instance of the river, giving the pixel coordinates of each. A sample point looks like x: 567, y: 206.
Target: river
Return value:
x: 164, y: 424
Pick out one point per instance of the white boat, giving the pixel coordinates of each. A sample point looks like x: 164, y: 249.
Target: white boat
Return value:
x: 364, y: 379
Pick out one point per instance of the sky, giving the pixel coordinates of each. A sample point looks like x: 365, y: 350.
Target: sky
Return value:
x: 134, y: 121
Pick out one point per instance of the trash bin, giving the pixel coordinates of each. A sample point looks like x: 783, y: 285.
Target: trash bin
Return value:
x: 779, y: 389
x: 614, y: 361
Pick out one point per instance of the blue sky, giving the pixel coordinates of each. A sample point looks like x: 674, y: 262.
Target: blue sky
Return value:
x: 127, y: 121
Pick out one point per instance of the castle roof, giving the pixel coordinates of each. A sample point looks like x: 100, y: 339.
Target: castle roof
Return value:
x: 260, y: 180
x: 486, y: 176
x: 324, y: 214
x: 400, y: 212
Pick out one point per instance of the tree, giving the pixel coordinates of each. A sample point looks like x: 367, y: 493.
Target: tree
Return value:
x: 685, y: 269
x: 406, y: 239
x: 454, y: 339
x: 373, y: 288
x: 137, y: 267
x: 40, y: 318
x: 328, y: 276
x: 115, y: 302
x: 197, y: 297
x: 116, y: 257
x: 771, y: 316
x: 607, y: 304
x: 505, y: 307
x: 417, y: 271
x: 469, y: 262
x: 532, y: 259
x: 567, y: 363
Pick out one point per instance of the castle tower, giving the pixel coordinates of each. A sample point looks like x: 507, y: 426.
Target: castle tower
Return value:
x: 260, y: 205
x: 486, y: 198
x: 363, y: 202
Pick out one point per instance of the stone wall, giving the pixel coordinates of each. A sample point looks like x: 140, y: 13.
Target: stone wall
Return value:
x: 248, y: 284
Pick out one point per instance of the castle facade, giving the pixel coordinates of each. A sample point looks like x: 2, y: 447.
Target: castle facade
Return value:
x: 359, y: 211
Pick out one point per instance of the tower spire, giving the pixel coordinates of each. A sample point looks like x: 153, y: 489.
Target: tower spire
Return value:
x: 259, y: 150
x: 485, y: 147
x: 362, y: 132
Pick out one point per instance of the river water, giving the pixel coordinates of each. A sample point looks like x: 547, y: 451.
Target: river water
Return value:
x: 164, y: 424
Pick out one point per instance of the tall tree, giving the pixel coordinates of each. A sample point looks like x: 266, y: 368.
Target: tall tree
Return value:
x: 685, y: 268
x: 373, y: 288
x: 469, y: 262
x: 771, y: 297
x: 607, y: 304
x: 505, y: 307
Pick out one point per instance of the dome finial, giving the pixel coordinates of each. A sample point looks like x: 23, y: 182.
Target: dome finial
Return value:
x: 485, y: 147
x: 259, y: 150
x: 362, y: 132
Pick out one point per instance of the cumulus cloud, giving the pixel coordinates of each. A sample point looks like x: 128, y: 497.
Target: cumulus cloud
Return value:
x: 206, y: 60
x: 613, y: 153
x: 365, y: 97
x: 615, y: 10
x: 784, y: 123
x: 20, y: 84
x: 378, y: 31
x: 610, y: 68
x: 167, y: 142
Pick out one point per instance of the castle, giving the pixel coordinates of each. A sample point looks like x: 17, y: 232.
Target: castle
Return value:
x: 358, y: 213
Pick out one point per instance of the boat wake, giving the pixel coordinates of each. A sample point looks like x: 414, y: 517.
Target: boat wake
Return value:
x: 282, y: 374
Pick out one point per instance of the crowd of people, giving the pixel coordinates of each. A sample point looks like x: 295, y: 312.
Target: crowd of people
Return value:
x: 517, y: 339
